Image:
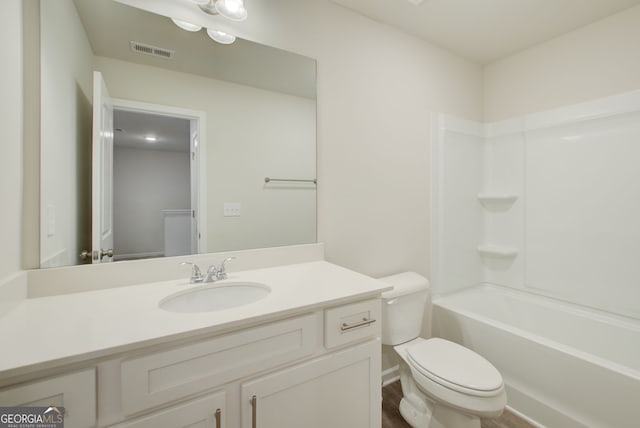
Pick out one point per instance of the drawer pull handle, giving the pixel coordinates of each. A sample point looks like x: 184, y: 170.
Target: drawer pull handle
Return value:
x: 217, y: 415
x: 365, y: 321
x: 254, y: 409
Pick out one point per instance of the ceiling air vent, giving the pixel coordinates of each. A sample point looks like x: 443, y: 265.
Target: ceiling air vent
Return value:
x: 152, y: 50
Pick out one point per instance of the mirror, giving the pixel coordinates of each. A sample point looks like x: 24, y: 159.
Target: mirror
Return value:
x: 198, y: 127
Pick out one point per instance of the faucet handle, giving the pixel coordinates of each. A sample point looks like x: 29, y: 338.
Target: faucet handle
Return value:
x: 222, y: 273
x: 196, y: 274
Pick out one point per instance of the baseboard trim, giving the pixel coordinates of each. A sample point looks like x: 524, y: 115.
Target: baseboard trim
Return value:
x: 390, y: 375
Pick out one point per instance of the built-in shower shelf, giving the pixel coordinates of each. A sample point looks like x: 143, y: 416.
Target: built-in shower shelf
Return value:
x: 489, y: 250
x: 493, y: 199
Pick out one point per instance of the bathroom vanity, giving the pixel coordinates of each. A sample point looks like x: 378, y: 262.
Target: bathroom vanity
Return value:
x: 307, y: 354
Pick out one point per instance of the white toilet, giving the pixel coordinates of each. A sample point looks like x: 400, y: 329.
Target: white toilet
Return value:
x: 444, y: 385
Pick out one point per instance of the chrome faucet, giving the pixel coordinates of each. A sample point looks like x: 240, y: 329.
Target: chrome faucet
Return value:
x: 214, y: 273
x: 196, y: 273
x: 221, y: 272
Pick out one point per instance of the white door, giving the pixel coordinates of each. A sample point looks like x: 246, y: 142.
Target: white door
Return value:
x: 195, y: 212
x: 102, y: 176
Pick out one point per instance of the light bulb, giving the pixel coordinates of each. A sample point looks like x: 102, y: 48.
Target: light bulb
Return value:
x: 232, y: 9
x: 186, y: 25
x: 221, y: 37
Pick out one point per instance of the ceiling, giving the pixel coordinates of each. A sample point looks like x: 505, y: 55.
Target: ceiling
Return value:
x: 171, y: 133
x: 487, y: 30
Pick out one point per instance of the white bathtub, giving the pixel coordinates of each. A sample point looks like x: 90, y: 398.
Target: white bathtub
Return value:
x: 564, y: 366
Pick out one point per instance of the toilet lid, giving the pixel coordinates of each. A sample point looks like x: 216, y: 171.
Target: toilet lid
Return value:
x: 455, y: 367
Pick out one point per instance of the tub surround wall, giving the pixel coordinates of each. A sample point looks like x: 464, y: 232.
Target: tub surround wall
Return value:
x: 556, y: 197
x: 457, y: 173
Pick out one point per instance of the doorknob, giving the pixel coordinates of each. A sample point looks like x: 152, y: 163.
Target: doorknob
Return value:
x: 106, y: 253
x: 96, y: 255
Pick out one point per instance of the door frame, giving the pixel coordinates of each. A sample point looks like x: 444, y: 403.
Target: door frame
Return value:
x: 199, y: 178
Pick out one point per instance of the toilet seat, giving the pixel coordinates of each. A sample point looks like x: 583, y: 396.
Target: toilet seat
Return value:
x: 455, y: 367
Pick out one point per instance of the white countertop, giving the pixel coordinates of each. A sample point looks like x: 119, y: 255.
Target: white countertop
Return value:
x: 46, y: 332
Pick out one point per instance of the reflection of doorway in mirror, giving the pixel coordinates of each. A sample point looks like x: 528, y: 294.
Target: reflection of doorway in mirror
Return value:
x: 156, y: 197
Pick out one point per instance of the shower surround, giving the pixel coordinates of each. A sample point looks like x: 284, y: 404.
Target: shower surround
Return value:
x: 546, y: 206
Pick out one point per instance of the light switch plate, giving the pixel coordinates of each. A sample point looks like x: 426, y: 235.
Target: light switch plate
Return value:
x: 232, y: 209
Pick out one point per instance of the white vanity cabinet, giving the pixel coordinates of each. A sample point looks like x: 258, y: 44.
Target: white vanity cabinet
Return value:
x: 321, y: 369
x: 314, y: 368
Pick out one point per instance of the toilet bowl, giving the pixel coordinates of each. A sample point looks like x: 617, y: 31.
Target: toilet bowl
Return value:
x: 444, y: 385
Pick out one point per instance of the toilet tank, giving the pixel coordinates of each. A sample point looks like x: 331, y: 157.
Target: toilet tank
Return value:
x: 404, y: 307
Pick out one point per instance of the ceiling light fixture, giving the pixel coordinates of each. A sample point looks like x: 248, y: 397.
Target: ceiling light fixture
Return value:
x: 151, y: 139
x: 221, y: 37
x: 186, y: 25
x: 230, y: 9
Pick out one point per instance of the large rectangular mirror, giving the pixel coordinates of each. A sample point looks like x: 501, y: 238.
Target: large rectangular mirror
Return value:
x: 202, y: 134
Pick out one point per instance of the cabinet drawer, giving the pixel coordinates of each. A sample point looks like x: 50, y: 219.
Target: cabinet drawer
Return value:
x: 76, y: 392
x: 171, y: 375
x: 348, y: 323
x: 208, y: 411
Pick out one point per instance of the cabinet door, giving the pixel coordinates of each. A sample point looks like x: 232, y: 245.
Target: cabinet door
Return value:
x: 76, y: 392
x: 205, y: 412
x: 339, y: 390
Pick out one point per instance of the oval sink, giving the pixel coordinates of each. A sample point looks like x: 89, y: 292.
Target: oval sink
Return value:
x: 215, y: 297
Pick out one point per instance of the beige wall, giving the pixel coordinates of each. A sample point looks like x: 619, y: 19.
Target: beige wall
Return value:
x: 595, y: 61
x: 65, y: 143
x: 376, y: 89
x: 11, y: 124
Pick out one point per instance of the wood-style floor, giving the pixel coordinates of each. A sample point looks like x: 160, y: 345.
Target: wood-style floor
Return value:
x: 391, y: 418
